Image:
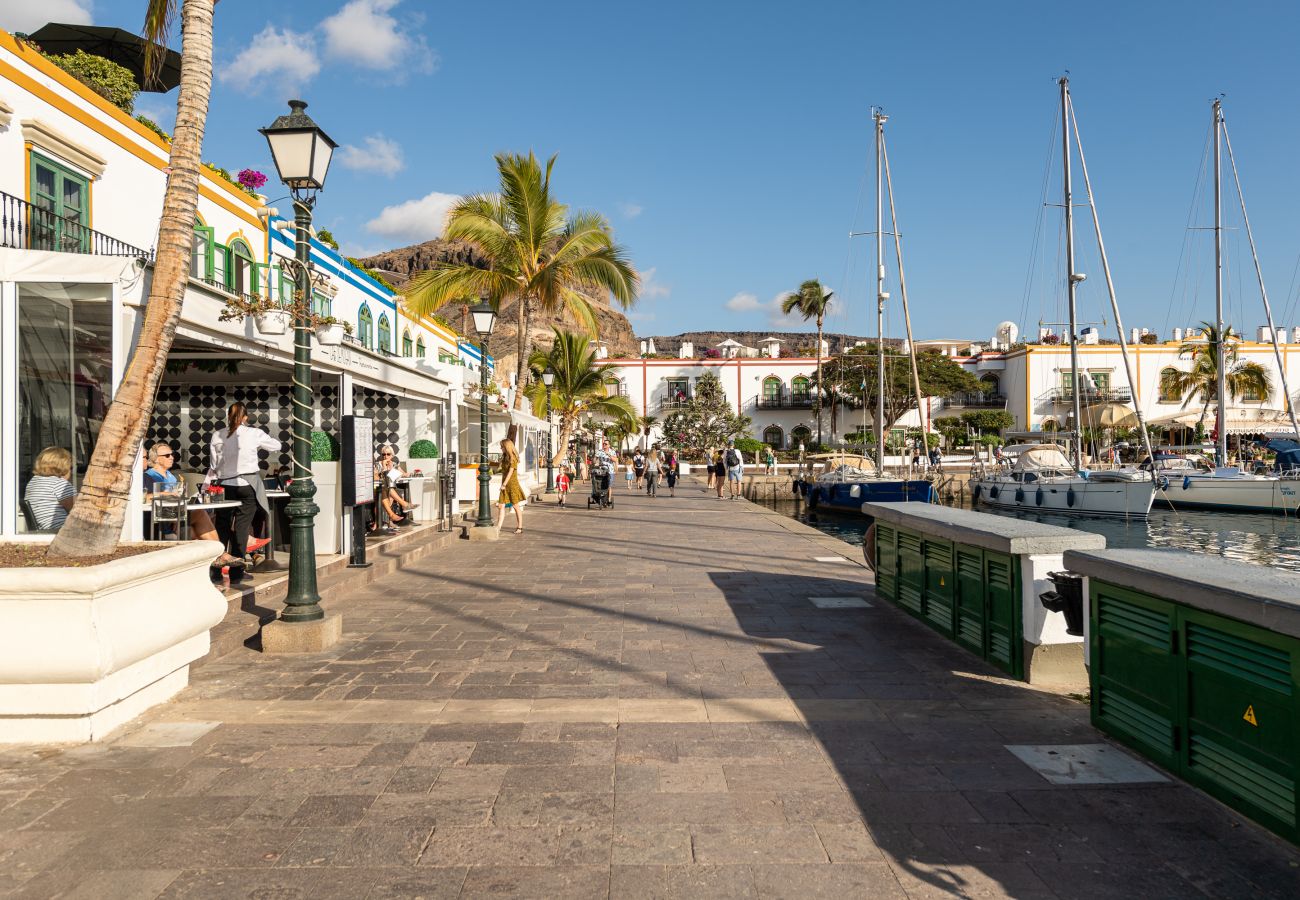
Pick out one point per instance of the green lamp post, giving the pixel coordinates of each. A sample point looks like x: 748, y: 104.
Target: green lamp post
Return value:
x: 302, y: 153
x: 485, y: 319
x: 548, y: 379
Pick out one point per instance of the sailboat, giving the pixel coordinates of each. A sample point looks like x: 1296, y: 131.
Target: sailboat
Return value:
x: 847, y: 486
x: 1039, y: 476
x: 1228, y: 487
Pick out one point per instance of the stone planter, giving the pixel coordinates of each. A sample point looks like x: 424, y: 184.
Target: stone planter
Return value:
x: 329, y: 497
x: 330, y: 335
x: 84, y: 650
x: 272, y: 322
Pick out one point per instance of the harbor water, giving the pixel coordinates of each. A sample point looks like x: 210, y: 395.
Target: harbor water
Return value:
x: 1262, y: 539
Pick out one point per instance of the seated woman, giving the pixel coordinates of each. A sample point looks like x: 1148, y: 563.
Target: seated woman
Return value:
x: 49, y: 495
x: 387, y: 471
x: 159, y: 479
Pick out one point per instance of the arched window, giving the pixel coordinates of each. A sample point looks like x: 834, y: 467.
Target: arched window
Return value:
x: 800, y: 434
x: 989, y: 385
x: 771, y: 391
x: 1050, y: 425
x: 241, y: 277
x: 419, y: 347
x: 385, y: 334
x: 407, y: 347
x: 1169, y: 392
x: 800, y: 389
x: 365, y: 327
x: 774, y: 437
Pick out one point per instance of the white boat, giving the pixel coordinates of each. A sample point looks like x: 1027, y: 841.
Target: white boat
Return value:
x: 1040, y: 478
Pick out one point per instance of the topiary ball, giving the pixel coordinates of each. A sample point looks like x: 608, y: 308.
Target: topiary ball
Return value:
x: 324, y: 447
x: 423, y: 449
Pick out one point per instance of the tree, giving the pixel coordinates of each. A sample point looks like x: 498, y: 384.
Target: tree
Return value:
x: 94, y: 525
x: 530, y: 249
x: 707, y: 420
x: 1243, y: 379
x: 646, y: 423
x: 854, y: 373
x: 579, y: 387
x: 811, y: 302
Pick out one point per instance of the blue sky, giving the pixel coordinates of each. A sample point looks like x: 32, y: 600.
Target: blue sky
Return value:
x: 728, y: 142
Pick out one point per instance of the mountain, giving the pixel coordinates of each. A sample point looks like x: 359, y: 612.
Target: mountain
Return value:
x: 792, y: 341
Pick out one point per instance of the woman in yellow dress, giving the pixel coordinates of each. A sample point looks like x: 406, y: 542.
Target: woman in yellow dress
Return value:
x: 512, y: 495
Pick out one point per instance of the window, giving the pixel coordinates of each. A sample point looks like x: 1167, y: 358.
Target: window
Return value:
x: 800, y: 434
x: 679, y: 390
x: 774, y: 437
x: 1249, y: 394
x: 419, y: 347
x: 407, y: 347
x: 365, y: 327
x: 799, y: 388
x: 385, y: 334
x: 1169, y: 392
x: 62, y: 215
x: 989, y: 385
x: 772, y: 390
x: 322, y: 305
x: 241, y: 276
x: 201, y: 255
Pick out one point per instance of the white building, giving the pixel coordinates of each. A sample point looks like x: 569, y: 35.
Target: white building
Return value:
x: 81, y: 190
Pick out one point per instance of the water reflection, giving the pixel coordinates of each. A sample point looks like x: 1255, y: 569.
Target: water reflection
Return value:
x: 1262, y: 539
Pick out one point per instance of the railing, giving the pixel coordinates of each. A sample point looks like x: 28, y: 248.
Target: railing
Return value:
x: 1090, y: 395
x: 24, y: 226
x: 675, y: 402
x: 794, y: 401
x: 976, y: 400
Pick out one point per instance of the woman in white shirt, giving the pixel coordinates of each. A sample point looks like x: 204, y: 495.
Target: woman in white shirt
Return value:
x: 237, y: 468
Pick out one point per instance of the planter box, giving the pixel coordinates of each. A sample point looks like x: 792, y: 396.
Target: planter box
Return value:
x: 84, y: 650
x: 275, y: 321
x: 330, y: 335
x: 329, y: 497
x: 424, y: 489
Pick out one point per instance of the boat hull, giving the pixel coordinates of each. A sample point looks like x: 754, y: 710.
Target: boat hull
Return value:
x: 849, y: 496
x: 1120, y: 499
x: 1262, y: 495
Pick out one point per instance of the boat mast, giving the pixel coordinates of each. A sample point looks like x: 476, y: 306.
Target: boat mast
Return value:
x: 881, y: 296
x: 1220, y: 354
x: 1072, y: 279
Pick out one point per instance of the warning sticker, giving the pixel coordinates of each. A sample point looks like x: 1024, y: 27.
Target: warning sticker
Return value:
x: 1250, y: 715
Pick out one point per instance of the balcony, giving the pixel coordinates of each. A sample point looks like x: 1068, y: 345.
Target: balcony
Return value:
x: 675, y: 402
x: 24, y: 226
x: 975, y: 400
x: 1090, y: 395
x: 792, y: 401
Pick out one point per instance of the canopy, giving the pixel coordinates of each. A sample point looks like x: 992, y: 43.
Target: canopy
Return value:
x: 1040, y: 456
x: 122, y: 47
x: 1109, y: 415
x: 1244, y: 420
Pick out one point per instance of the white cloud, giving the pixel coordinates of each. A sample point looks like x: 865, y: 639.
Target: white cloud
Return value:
x: 744, y: 302
x: 640, y: 317
x: 415, y: 220
x: 29, y: 15
x: 288, y: 58
x: 650, y: 288
x: 364, y: 33
x: 379, y: 154
x: 630, y: 210
x: 163, y: 113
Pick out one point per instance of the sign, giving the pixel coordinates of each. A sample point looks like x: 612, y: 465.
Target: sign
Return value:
x: 358, y: 462
x: 1250, y: 715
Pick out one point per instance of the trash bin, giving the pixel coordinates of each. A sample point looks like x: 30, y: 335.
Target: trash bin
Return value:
x: 1067, y: 598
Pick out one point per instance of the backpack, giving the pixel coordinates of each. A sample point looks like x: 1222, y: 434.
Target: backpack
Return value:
x: 733, y: 459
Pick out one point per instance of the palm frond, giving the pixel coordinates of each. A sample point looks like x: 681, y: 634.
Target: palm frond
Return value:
x: 159, y: 18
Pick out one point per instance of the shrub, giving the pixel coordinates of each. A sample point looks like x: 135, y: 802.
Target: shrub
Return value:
x: 114, y: 83
x: 1149, y: 339
x: 326, y: 237
x: 154, y: 127
x: 251, y: 180
x: 423, y: 449
x: 749, y: 445
x: 324, y: 447
x: 372, y: 273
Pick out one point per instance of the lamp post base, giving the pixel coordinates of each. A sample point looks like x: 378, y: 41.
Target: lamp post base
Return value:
x: 302, y: 637
x: 482, y: 533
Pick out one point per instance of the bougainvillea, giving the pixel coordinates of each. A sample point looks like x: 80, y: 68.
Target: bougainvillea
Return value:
x: 251, y: 179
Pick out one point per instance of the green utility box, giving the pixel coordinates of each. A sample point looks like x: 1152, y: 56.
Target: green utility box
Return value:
x: 966, y: 593
x: 1208, y: 684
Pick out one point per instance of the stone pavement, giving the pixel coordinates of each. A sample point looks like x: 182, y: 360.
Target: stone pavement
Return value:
x: 634, y: 703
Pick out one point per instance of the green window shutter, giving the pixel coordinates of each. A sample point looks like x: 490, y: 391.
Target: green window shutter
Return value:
x: 202, y: 257
x: 63, y: 196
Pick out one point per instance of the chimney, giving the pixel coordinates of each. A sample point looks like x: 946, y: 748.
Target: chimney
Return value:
x: 1263, y: 335
x: 1177, y: 335
x: 1134, y: 336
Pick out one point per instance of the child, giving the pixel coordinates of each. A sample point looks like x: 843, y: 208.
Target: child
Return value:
x: 630, y: 476
x: 562, y: 483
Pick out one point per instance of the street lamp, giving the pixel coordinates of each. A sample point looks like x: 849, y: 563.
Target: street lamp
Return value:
x: 485, y: 319
x: 548, y: 379
x: 302, y: 153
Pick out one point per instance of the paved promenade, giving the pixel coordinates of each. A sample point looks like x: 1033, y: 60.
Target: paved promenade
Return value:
x: 635, y: 703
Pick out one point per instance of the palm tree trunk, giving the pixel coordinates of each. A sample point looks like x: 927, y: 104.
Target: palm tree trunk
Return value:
x: 94, y: 525
x: 562, y: 441
x: 522, y: 344
x: 821, y: 388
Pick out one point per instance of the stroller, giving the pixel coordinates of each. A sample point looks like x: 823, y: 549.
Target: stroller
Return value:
x: 601, y: 479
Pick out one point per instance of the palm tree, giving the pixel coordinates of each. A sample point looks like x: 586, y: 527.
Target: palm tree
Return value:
x: 1243, y: 379
x: 811, y: 301
x: 646, y: 423
x: 532, y: 251
x: 94, y: 524
x: 579, y: 388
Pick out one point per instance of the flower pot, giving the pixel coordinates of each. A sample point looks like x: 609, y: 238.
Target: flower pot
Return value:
x: 84, y: 649
x: 330, y: 335
x: 274, y: 321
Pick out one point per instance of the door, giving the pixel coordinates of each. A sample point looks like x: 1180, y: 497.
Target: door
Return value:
x: 61, y: 208
x: 939, y: 578
x: 969, y: 613
x: 1002, y: 602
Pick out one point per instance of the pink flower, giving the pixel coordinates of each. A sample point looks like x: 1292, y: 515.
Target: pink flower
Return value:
x: 251, y: 179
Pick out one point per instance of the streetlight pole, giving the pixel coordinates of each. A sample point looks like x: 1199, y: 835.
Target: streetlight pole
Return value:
x: 484, y: 320
x: 302, y: 153
x: 548, y: 379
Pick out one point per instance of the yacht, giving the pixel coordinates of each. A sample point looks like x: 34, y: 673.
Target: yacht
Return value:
x: 1040, y: 477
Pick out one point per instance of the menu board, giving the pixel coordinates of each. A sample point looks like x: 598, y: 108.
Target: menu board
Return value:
x: 358, y: 463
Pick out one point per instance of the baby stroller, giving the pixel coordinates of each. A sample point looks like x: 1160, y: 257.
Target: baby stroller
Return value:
x: 601, y: 479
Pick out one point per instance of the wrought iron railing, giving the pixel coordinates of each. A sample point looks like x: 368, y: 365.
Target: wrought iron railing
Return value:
x: 675, y: 402
x: 791, y: 401
x: 25, y: 226
x: 1091, y: 395
x: 976, y: 400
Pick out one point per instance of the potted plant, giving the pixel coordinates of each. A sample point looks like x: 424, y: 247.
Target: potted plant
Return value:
x: 422, y: 449
x: 327, y: 475
x: 330, y: 331
x: 425, y: 485
x: 270, y: 317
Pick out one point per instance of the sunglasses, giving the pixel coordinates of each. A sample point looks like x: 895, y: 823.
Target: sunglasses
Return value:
x: 165, y: 455
x: 385, y: 454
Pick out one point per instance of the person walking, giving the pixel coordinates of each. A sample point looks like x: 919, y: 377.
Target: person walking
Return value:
x: 671, y: 472
x: 235, y: 465
x: 638, y: 467
x: 562, y: 483
x: 769, y: 460
x: 512, y: 495
x: 719, y: 470
x: 735, y: 466
x: 629, y: 473
x: 653, y: 469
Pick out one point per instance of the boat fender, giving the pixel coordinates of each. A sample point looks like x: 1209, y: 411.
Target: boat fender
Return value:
x: 1163, y: 483
x: 1038, y: 497
x: 975, y: 492
x: 1069, y: 497
x: 1020, y: 495
x: 994, y: 491
x: 1187, y: 481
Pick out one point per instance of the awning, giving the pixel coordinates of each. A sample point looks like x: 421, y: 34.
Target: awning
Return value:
x: 122, y: 47
x: 1109, y: 415
x: 1247, y: 420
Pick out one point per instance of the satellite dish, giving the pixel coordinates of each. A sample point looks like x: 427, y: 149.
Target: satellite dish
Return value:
x: 1006, y: 334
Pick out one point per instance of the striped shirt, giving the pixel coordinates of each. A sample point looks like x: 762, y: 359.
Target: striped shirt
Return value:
x: 43, y: 495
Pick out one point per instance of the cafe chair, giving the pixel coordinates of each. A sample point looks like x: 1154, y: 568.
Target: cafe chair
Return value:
x: 29, y: 516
